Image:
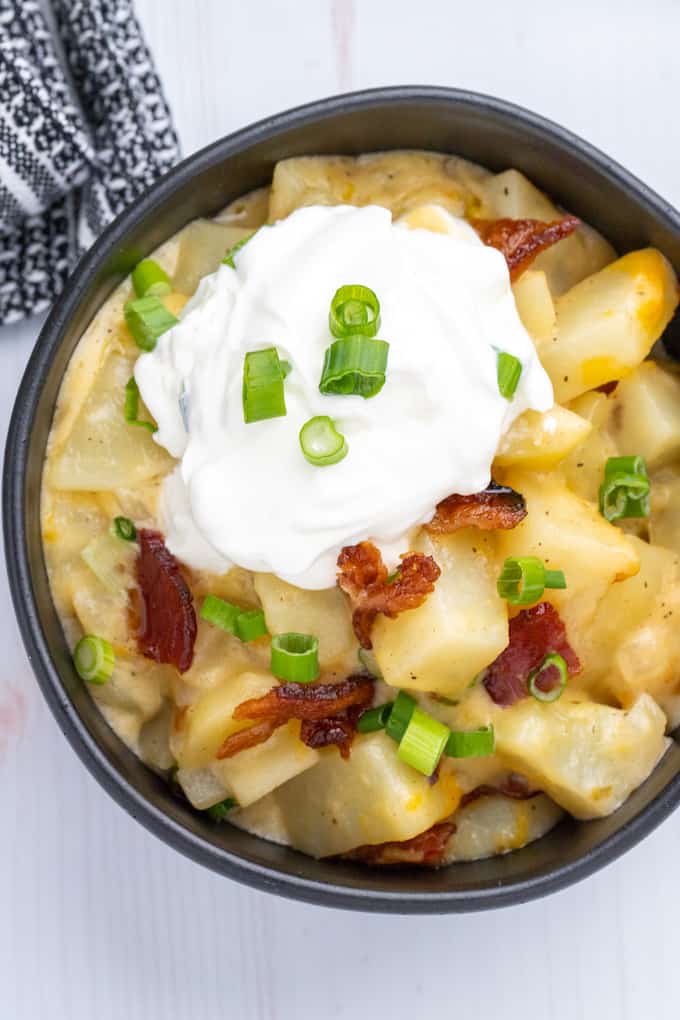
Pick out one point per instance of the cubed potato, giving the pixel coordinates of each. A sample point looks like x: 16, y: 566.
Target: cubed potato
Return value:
x: 257, y: 771
x: 323, y: 613
x: 539, y: 441
x: 208, y: 722
x: 496, y: 824
x: 200, y: 787
x: 645, y: 415
x: 202, y: 246
x: 536, y: 307
x: 459, y: 629
x: 112, y: 561
x: 571, y: 535
x: 372, y: 797
x: 664, y: 519
x: 583, y: 468
x: 102, y: 451
x: 264, y: 818
x: 608, y: 323
x: 99, y: 610
x: 588, y: 757
x: 566, y: 263
x: 136, y: 686
x: 219, y: 657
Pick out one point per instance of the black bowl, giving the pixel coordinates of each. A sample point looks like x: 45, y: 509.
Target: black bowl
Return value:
x: 488, y: 131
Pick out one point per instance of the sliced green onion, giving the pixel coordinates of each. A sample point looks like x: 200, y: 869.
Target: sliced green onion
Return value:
x: 147, y: 318
x: 523, y: 580
x: 228, y: 259
x: 375, y: 718
x: 131, y: 407
x: 402, y: 710
x: 509, y: 370
x: 94, y: 659
x: 355, y: 365
x: 219, y: 812
x: 295, y: 657
x: 250, y: 625
x: 625, y: 489
x: 263, y: 394
x: 369, y: 662
x: 554, y: 692
x: 123, y: 528
x: 149, y: 278
x: 220, y: 613
x: 354, y: 309
x: 321, y: 442
x: 286, y: 368
x: 423, y: 743
x: 472, y: 743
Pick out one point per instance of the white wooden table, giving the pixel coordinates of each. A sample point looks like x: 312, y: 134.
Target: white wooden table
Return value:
x: 98, y: 920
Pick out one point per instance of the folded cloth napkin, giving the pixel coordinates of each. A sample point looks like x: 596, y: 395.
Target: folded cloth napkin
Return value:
x: 84, y: 128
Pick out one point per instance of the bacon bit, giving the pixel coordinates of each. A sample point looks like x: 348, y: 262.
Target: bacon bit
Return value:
x: 308, y: 701
x: 521, y: 241
x: 426, y: 850
x: 496, y: 508
x: 251, y: 737
x: 364, y: 577
x: 534, y: 633
x: 167, y: 621
x: 607, y: 387
x: 515, y: 786
x: 336, y: 729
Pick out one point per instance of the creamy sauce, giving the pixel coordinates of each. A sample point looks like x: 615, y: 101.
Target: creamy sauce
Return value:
x: 244, y: 494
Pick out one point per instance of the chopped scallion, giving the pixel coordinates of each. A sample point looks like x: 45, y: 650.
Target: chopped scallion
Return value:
x: 219, y: 812
x: 220, y: 613
x: 375, y: 718
x: 423, y: 742
x: 94, y: 659
x: 250, y: 625
x: 228, y: 259
x: 147, y: 318
x: 295, y: 657
x: 354, y: 310
x: 509, y: 370
x: 263, y: 391
x: 551, y: 662
x: 123, y: 528
x: 150, y: 278
x: 321, y: 442
x: 625, y: 490
x: 355, y: 365
x: 398, y: 720
x: 131, y: 407
x: 471, y: 743
x: 523, y: 580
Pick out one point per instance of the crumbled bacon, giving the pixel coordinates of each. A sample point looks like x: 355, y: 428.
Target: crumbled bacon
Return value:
x: 514, y: 786
x: 426, y: 850
x: 327, y: 708
x: 496, y: 508
x: 167, y: 622
x: 335, y: 729
x: 521, y: 241
x: 534, y: 633
x: 364, y: 577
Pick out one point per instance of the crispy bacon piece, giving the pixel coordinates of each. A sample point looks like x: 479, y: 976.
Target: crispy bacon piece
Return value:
x: 521, y: 241
x: 496, y: 508
x: 514, y: 786
x: 167, y: 621
x: 425, y: 850
x: 250, y: 737
x: 534, y: 633
x: 335, y: 729
x: 364, y: 577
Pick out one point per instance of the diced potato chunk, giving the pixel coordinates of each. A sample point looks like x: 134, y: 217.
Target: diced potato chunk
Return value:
x: 583, y: 469
x: 102, y: 451
x: 566, y: 263
x: 202, y: 246
x: 664, y: 520
x: 372, y: 797
x: 608, y: 323
x: 541, y: 440
x: 536, y: 307
x: 99, y: 610
x: 219, y: 657
x: 325, y: 614
x: 255, y: 772
x: 209, y: 720
x: 645, y: 415
x: 569, y: 534
x: 459, y: 629
x: 112, y: 561
x: 587, y: 757
x: 496, y: 824
x: 200, y: 787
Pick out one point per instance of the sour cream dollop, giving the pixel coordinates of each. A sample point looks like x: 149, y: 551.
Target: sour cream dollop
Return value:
x: 245, y: 494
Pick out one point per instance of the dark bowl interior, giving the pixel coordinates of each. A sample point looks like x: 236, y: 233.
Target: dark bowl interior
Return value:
x: 488, y: 131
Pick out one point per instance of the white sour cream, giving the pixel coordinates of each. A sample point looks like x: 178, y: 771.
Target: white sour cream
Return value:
x: 244, y: 494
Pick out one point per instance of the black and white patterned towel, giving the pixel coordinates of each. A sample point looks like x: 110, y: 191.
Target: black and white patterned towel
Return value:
x: 84, y: 128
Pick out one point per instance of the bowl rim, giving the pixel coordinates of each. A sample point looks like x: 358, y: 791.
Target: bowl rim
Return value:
x: 170, y: 831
